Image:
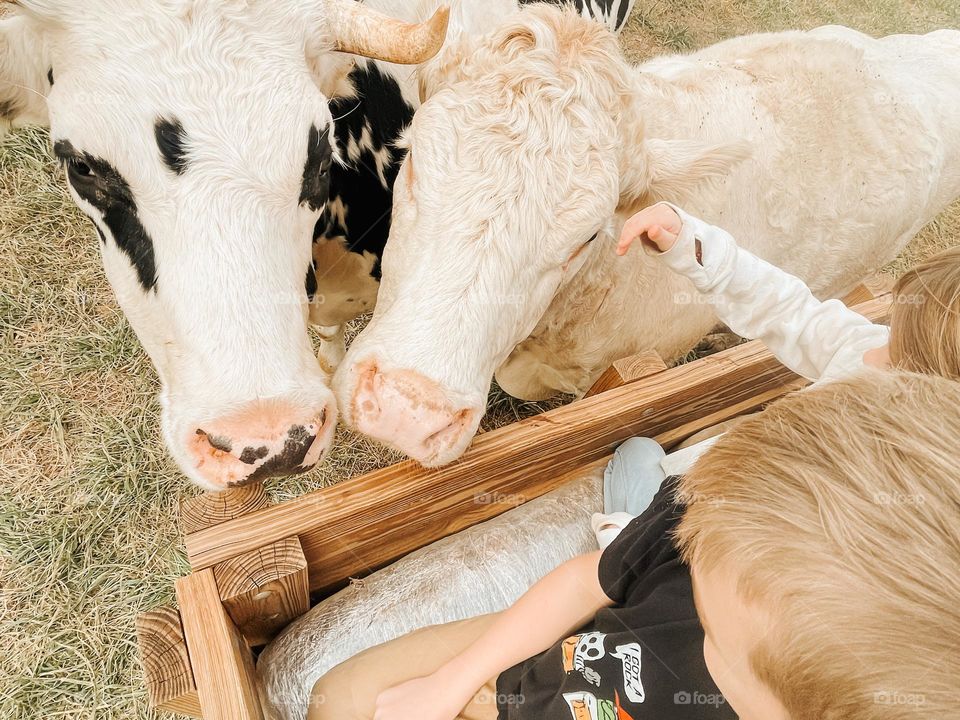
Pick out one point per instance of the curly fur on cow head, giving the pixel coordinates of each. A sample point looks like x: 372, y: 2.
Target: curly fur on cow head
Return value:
x: 556, y: 55
x: 531, y: 51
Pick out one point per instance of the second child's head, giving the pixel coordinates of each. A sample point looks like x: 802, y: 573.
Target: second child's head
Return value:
x: 823, y: 540
x: 925, y: 322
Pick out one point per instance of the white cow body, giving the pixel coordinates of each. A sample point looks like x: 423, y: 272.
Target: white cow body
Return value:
x: 837, y: 184
x: 823, y: 152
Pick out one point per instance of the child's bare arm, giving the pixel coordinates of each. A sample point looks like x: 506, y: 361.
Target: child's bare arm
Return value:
x: 754, y: 298
x: 560, y: 603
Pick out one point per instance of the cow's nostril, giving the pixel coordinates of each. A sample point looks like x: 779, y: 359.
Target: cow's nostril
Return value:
x: 217, y: 442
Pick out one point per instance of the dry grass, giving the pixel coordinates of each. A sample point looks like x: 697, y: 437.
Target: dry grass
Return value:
x: 87, y: 495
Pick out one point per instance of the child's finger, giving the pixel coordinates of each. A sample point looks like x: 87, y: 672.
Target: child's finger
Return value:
x: 632, y: 231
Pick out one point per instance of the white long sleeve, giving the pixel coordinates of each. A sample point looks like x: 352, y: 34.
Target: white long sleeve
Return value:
x: 756, y: 300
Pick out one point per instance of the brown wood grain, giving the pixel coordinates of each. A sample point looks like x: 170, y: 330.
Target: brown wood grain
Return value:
x: 264, y: 590
x: 628, y: 370
x: 209, y: 509
x: 354, y: 527
x: 874, y: 287
x: 166, y: 663
x: 222, y: 662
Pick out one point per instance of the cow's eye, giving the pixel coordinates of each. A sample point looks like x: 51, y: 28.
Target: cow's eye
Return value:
x: 81, y: 169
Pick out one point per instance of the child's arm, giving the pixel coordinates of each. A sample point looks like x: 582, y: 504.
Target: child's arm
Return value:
x: 754, y: 298
x: 559, y: 604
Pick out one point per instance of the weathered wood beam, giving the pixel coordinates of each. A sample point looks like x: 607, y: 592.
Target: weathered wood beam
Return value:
x: 222, y: 661
x: 353, y: 527
x: 166, y: 663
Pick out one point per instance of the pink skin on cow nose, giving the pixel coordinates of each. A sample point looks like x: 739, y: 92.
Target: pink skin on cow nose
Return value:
x: 265, y: 440
x: 409, y: 412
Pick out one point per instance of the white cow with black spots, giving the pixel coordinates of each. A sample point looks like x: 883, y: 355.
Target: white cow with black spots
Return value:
x: 195, y: 136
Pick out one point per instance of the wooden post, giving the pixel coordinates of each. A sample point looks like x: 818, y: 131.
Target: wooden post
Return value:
x: 628, y: 370
x: 209, y: 509
x: 166, y: 664
x: 222, y: 661
x: 265, y: 590
x: 169, y: 677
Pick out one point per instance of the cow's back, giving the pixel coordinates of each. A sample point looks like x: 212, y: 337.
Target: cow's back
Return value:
x: 853, y: 150
x: 923, y: 72
x: 855, y: 142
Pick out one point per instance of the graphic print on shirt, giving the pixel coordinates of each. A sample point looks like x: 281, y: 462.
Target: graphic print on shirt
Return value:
x: 581, y: 649
x: 629, y: 656
x: 586, y: 706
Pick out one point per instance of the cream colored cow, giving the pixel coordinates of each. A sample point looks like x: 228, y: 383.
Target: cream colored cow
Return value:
x: 824, y: 152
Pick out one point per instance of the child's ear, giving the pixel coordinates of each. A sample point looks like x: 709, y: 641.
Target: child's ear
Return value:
x: 673, y: 169
x: 25, y: 72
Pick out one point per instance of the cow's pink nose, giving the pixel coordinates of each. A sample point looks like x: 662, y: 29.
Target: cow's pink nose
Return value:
x: 411, y: 413
x: 265, y: 440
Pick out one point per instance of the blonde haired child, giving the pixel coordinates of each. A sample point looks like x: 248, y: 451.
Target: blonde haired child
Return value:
x: 809, y: 570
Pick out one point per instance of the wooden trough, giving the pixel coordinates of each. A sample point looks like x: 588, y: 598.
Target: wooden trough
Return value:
x: 256, y: 566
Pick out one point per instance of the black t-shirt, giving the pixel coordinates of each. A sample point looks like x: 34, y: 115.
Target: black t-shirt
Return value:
x: 642, y: 658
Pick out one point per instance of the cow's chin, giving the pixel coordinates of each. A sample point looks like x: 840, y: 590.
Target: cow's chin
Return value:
x: 406, y: 411
x: 447, y: 448
x: 525, y: 376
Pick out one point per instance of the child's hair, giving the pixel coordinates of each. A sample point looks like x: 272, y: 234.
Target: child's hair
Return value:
x: 926, y: 317
x: 838, y: 509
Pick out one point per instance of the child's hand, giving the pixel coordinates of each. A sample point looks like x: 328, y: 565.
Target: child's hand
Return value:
x: 426, y: 698
x: 658, y: 226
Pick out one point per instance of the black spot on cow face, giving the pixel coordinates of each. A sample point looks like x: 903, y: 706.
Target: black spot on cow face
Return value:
x: 50, y: 76
x: 98, y: 183
x: 316, y: 173
x: 171, y: 139
x: 311, y: 283
x: 220, y: 443
x: 289, y: 460
x: 250, y: 455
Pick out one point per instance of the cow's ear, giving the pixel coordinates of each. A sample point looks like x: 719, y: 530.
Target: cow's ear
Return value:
x: 25, y: 72
x: 448, y: 67
x: 674, y: 169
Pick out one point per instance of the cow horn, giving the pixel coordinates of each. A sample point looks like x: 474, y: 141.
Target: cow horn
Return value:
x: 361, y: 31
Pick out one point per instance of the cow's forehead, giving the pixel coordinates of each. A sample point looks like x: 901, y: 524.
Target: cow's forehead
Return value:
x: 242, y: 93
x: 205, y: 54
